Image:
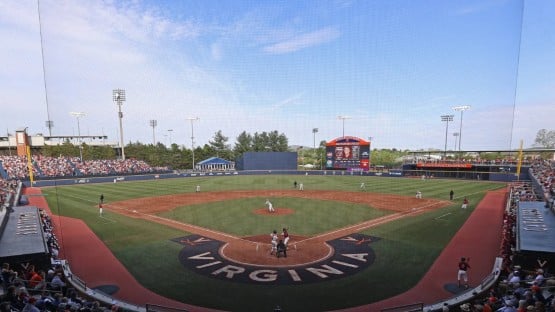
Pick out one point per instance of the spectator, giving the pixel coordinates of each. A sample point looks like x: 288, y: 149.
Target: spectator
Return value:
x: 57, y: 283
x: 30, y: 306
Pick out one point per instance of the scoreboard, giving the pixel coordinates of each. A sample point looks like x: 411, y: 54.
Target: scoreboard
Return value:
x: 348, y: 153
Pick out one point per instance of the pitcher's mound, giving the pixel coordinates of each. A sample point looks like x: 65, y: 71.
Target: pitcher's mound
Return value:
x: 277, y: 212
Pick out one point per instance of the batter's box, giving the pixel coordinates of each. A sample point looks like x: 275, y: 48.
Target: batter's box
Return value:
x: 352, y: 254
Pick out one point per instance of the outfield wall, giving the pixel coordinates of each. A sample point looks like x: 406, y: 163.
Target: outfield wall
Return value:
x: 407, y: 171
x: 267, y: 161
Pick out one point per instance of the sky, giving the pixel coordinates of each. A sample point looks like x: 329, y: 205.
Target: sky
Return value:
x: 385, y: 70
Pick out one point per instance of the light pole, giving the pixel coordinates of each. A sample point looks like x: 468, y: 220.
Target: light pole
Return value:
x: 447, y: 119
x: 118, y: 96
x: 343, y: 119
x: 153, y: 124
x: 314, y: 131
x: 78, y: 115
x: 49, y: 124
x: 455, y: 134
x: 461, y: 109
x: 193, y: 119
x: 170, y: 134
x: 370, y: 139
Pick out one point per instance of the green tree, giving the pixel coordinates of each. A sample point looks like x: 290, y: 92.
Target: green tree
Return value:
x: 243, y: 143
x: 261, y: 142
x: 545, y: 138
x: 220, y: 147
x: 386, y: 157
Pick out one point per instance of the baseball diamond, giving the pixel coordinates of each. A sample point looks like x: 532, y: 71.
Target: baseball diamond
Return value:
x: 338, y: 233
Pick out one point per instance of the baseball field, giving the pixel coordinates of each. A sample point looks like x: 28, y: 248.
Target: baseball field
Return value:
x: 349, y: 246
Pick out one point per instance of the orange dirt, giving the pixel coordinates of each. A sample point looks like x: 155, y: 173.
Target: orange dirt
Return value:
x: 277, y: 212
x: 255, y: 250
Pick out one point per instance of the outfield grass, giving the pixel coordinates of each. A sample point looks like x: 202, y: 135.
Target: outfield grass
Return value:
x: 406, y: 250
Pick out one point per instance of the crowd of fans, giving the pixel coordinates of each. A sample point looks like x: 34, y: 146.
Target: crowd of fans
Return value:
x: 6, y: 187
x: 520, y: 289
x: 26, y: 288
x: 544, y: 173
x: 17, y: 167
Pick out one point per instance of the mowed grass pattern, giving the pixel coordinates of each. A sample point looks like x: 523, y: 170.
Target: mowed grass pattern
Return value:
x: 320, y: 215
x: 406, y: 250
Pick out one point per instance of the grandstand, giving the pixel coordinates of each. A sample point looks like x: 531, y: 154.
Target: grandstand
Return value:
x: 528, y: 235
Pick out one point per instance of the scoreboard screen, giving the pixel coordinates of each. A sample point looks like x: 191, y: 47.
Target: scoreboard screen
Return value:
x: 348, y: 153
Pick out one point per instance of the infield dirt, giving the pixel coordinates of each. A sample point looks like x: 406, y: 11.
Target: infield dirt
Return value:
x: 255, y: 250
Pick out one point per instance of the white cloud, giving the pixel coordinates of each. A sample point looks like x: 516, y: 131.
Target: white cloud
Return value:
x: 303, y: 41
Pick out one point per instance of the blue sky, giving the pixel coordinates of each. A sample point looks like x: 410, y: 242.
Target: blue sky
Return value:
x: 392, y: 67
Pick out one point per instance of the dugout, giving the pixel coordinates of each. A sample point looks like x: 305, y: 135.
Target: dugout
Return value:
x: 267, y: 161
x: 22, y: 239
x: 535, y: 234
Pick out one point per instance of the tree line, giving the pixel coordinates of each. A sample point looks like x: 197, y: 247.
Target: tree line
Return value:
x: 180, y: 157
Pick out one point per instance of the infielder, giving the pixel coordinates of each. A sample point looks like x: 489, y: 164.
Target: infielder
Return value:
x: 362, y: 186
x: 465, y: 203
x: 301, y: 187
x: 270, y: 206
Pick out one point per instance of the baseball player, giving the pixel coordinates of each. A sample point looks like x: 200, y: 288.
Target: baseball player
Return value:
x: 465, y: 203
x: 270, y: 206
x: 274, y: 241
x: 462, y: 274
x: 285, y: 236
x: 362, y: 186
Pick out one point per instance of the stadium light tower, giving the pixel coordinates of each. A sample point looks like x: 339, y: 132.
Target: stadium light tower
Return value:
x: 49, y: 124
x: 153, y: 124
x: 461, y: 109
x: 343, y: 119
x: 314, y: 131
x: 447, y: 119
x: 455, y: 134
x: 118, y: 95
x: 78, y: 115
x: 193, y: 119
x: 170, y: 134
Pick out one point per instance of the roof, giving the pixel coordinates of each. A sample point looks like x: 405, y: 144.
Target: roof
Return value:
x: 347, y: 140
x: 214, y: 161
x: 536, y: 228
